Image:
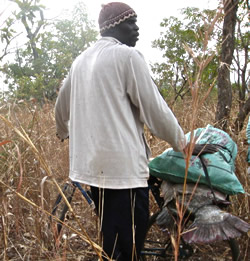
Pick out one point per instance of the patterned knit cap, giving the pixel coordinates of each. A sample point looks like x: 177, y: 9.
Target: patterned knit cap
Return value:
x: 113, y: 14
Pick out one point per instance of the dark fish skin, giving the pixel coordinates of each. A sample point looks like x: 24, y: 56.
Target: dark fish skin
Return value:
x: 210, y: 222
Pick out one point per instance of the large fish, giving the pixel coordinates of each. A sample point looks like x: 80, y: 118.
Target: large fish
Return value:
x: 210, y: 221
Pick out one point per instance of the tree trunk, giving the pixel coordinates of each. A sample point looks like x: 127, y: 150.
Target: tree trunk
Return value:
x: 244, y: 105
x: 227, y: 49
x: 244, y: 111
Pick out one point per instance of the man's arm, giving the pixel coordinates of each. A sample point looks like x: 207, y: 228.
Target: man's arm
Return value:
x: 154, y: 111
x: 62, y: 110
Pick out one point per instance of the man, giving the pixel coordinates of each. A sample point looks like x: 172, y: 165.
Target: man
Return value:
x: 108, y: 96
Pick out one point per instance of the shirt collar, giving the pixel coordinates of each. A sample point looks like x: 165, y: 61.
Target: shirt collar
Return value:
x: 110, y: 39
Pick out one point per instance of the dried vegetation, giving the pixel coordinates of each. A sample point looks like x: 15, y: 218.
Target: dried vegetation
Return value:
x: 33, y: 162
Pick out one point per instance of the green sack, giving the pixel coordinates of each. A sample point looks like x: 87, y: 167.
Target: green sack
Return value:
x: 170, y: 165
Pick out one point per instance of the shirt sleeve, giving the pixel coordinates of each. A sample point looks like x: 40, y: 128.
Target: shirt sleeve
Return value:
x: 62, y: 110
x: 153, y: 110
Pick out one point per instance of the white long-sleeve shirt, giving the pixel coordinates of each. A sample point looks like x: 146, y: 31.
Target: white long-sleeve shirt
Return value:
x: 102, y: 106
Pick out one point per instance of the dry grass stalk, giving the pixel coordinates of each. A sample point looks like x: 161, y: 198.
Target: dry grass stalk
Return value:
x: 197, y: 103
x: 5, y: 241
x: 27, y: 139
x: 95, y: 246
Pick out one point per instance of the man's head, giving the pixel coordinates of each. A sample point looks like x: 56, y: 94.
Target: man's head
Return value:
x: 118, y: 20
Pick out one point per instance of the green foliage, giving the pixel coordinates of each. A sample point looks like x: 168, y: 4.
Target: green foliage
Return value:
x: 28, y: 8
x: 179, y: 66
x: 40, y: 67
x: 7, y: 31
x: 7, y: 34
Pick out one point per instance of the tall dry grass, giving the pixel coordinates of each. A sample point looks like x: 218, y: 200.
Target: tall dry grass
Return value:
x: 33, y: 163
x: 28, y: 192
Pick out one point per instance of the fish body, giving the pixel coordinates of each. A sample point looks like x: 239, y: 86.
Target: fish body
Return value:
x: 210, y: 222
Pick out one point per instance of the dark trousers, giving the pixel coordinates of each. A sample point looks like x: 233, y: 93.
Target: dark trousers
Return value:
x: 124, y: 217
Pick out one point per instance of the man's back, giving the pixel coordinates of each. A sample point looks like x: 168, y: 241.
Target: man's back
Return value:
x: 104, y: 124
